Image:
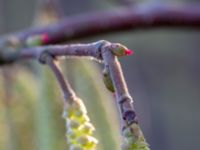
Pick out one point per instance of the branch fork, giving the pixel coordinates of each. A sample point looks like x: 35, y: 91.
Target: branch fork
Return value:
x: 105, y: 52
x: 101, y: 50
x: 136, y: 17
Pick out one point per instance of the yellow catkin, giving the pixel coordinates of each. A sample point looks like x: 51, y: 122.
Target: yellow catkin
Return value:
x: 79, y: 128
x: 134, y: 139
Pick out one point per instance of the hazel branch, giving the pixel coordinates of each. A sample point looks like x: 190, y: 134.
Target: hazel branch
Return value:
x: 133, y: 138
x: 73, y: 50
x: 9, y: 55
x: 101, y: 50
x: 106, y: 52
x: 67, y: 91
x: 79, y: 129
x: 123, y: 97
x: 143, y: 16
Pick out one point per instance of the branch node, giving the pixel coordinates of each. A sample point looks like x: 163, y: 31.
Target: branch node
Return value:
x: 100, y: 47
x: 130, y: 117
x: 43, y: 55
x: 124, y: 98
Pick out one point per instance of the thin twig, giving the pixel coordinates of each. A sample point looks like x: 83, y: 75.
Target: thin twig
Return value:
x: 46, y: 54
x: 90, y: 49
x: 101, y: 50
x: 75, y: 50
x: 124, y: 100
x: 67, y: 91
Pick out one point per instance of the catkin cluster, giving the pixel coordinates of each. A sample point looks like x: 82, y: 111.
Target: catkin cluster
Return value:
x: 79, y: 129
x: 134, y: 139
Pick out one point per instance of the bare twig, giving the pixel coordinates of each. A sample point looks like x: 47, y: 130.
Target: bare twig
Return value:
x: 105, y: 53
x: 101, y: 50
x: 91, y: 49
x: 123, y: 97
x: 136, y: 17
x: 67, y: 91
x: 72, y: 106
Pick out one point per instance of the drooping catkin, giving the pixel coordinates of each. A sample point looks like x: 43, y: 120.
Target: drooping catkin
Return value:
x: 133, y: 138
x: 79, y: 128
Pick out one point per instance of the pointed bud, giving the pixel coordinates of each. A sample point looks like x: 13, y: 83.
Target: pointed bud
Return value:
x: 37, y: 40
x: 120, y: 50
x: 128, y: 52
x: 107, y: 81
x: 44, y: 38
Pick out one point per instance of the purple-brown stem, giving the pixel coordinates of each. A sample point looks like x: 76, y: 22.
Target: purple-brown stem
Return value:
x: 63, y: 50
x: 66, y: 89
x: 124, y: 100
x: 74, y: 50
x: 100, y: 50
x: 119, y: 19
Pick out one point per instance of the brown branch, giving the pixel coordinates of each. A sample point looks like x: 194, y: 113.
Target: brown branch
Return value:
x: 136, y: 17
x: 67, y: 91
x: 124, y: 100
x: 101, y: 50
x: 119, y: 19
x: 88, y: 50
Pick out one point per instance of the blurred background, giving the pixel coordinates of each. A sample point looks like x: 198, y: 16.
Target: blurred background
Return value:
x: 162, y: 76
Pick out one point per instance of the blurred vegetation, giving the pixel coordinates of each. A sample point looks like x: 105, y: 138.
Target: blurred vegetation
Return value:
x: 163, y: 77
